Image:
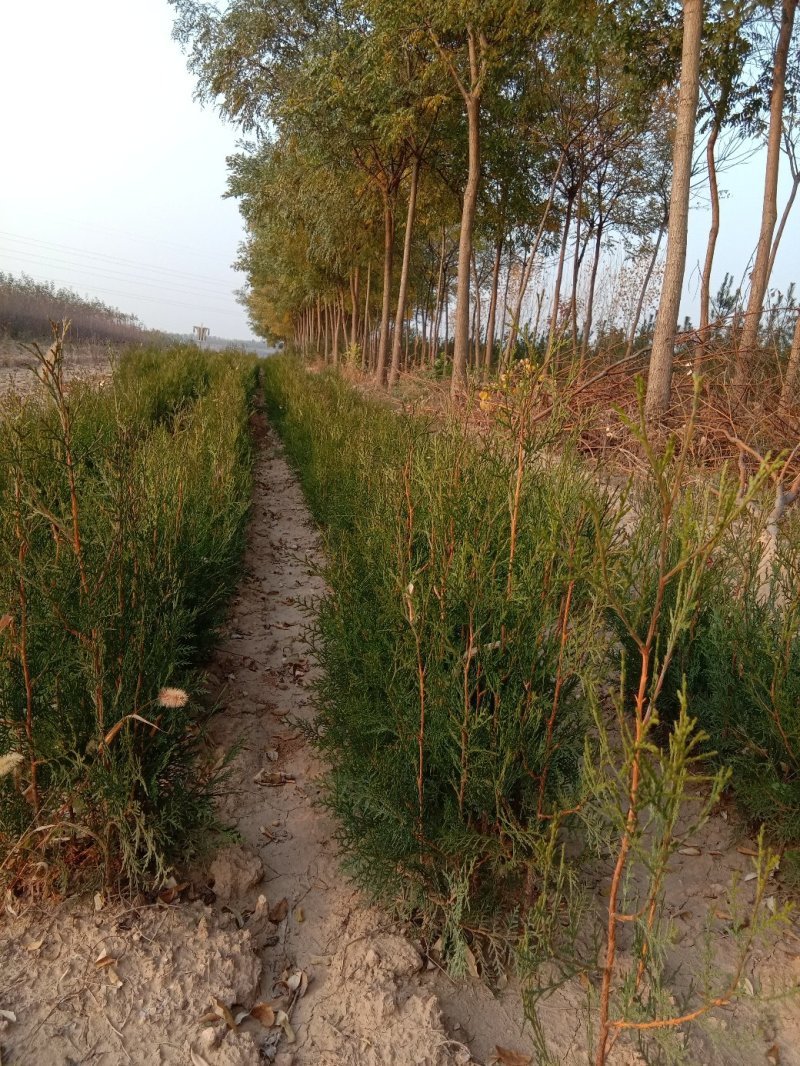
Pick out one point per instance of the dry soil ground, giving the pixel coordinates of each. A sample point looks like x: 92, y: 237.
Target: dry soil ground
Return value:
x: 271, y: 918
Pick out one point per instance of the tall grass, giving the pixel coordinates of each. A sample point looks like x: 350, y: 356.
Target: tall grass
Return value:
x: 122, y: 514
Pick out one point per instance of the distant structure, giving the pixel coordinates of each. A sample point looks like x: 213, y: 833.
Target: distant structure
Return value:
x: 201, y: 333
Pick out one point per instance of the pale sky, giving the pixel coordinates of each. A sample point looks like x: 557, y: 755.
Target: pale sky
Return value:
x: 112, y: 175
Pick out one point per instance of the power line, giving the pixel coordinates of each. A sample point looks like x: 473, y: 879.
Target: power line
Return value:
x: 152, y: 299
x: 85, y: 252
x: 81, y: 268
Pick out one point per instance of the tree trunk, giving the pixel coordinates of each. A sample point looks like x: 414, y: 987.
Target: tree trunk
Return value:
x: 713, y: 233
x: 576, y: 269
x: 587, y: 323
x: 559, y: 276
x: 437, y: 318
x: 475, y: 359
x: 527, y: 270
x: 354, y: 285
x: 365, y: 363
x: 388, y: 265
x: 399, y: 318
x: 488, y: 352
x: 659, y: 378
x: 759, y: 279
x: 643, y: 291
x: 791, y: 383
x: 461, y: 346
x: 782, y: 225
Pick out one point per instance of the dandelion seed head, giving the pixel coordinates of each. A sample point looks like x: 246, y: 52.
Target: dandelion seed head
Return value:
x: 173, y: 697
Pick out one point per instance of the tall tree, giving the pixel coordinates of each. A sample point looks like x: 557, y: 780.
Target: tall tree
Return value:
x: 659, y: 378
x: 759, y: 278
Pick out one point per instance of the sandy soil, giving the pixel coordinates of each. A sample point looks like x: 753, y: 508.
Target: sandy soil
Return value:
x: 272, y: 921
x: 82, y: 361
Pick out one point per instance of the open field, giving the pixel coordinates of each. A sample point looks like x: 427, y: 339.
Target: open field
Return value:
x: 377, y: 992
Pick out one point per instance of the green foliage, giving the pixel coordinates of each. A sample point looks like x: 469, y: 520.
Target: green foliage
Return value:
x: 450, y: 703
x: 748, y: 691
x: 122, y: 514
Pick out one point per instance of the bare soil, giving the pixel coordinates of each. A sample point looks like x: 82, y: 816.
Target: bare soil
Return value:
x: 271, y: 918
x: 82, y: 362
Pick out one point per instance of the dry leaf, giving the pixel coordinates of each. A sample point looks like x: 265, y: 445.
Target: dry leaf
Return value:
x: 264, y: 1013
x: 282, y: 1019
x: 774, y: 1055
x: 209, y: 1018
x: 747, y: 851
x: 8, y: 1015
x: 272, y: 777
x: 279, y: 911
x: 690, y: 850
x: 472, y: 965
x: 298, y: 982
x: 751, y: 876
x: 103, y: 960
x: 223, y: 1011
x: 240, y: 1016
x: 113, y: 977
x: 747, y: 986
x: 99, y: 902
x: 5, y: 622
x: 34, y: 945
x: 271, y: 754
x: 299, y: 915
x: 770, y: 902
x: 511, y: 1058
x: 197, y: 1059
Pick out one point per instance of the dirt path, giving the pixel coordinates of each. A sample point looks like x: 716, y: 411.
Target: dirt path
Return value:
x: 272, y: 916
x: 280, y: 912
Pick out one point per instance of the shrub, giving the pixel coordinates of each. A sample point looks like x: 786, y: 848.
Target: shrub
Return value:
x: 122, y: 514
x: 457, y: 630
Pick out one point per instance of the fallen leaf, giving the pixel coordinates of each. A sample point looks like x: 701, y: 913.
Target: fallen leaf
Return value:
x: 299, y: 915
x: 770, y: 902
x: 690, y: 850
x: 272, y: 755
x: 472, y: 965
x: 240, y: 1016
x: 8, y: 1015
x: 264, y: 1013
x: 5, y: 622
x: 510, y: 1058
x: 272, y: 777
x: 209, y: 1018
x: 298, y: 982
x: 279, y: 911
x: 751, y: 876
x: 223, y: 1011
x: 747, y: 851
x: 113, y: 977
x: 103, y: 960
x: 99, y: 902
x: 34, y: 945
x: 774, y: 1054
x: 282, y: 1019
x: 747, y: 986
x: 198, y: 1060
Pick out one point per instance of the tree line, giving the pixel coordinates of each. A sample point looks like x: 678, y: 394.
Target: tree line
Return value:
x: 28, y: 306
x: 455, y: 182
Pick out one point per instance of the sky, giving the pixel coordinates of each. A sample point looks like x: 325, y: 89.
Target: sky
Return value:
x: 112, y: 175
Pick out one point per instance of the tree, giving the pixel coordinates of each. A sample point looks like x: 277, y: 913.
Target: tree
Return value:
x: 659, y: 378
x: 759, y: 278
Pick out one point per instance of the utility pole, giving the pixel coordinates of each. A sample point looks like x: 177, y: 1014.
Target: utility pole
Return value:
x: 201, y: 333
